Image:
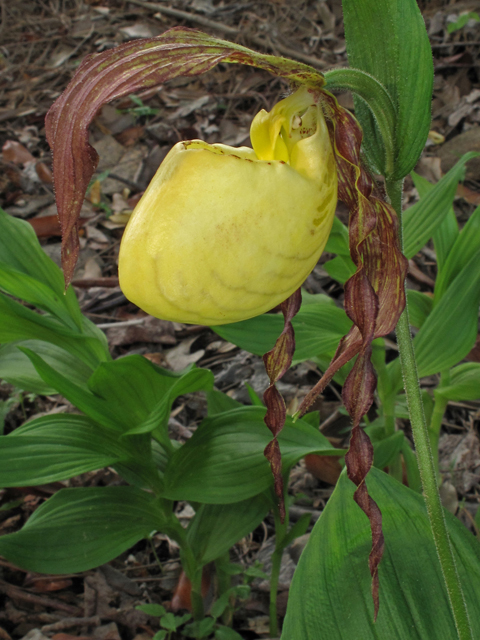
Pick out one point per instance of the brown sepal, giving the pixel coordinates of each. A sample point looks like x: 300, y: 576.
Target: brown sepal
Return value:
x: 374, y: 300
x: 273, y: 455
x: 277, y: 361
x: 359, y: 460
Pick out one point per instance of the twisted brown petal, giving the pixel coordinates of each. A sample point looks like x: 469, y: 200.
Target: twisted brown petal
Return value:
x: 374, y: 300
x: 277, y: 361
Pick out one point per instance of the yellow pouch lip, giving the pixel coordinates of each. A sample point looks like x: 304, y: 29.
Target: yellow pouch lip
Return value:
x: 159, y: 253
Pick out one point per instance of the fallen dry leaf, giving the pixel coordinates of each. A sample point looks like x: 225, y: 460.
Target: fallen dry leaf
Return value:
x: 15, y: 152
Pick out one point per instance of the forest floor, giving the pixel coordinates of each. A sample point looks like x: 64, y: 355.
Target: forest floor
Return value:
x: 42, y: 43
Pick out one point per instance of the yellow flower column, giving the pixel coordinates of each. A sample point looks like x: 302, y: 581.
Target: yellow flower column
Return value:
x: 225, y: 234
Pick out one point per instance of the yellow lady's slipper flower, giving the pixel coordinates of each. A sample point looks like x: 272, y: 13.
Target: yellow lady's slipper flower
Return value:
x: 225, y: 234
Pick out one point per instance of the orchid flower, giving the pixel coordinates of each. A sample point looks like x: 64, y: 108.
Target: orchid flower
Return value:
x: 225, y: 234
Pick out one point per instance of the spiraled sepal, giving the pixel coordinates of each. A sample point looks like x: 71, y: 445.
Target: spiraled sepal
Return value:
x: 277, y: 361
x: 374, y: 300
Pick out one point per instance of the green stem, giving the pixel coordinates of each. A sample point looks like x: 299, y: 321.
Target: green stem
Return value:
x: 435, y: 426
x: 280, y: 532
x: 425, y: 458
x: 189, y: 564
x: 197, y: 600
x: 274, y: 578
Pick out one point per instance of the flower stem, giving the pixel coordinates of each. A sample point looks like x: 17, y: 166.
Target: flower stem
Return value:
x: 424, y: 455
x: 274, y: 578
x: 280, y: 531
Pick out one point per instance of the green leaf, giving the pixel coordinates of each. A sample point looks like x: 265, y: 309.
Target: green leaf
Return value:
x: 160, y: 635
x: 131, y: 394
x: 223, y: 461
x: 254, y: 397
x: 199, y: 629
x: 318, y: 329
x: 464, y: 385
x: 421, y: 220
x: 56, y: 447
x: 17, y: 369
x: 464, y: 248
x: 297, y: 530
x: 152, y: 609
x: 17, y: 322
x: 340, y: 268
x: 387, y: 450
x: 337, y: 241
x: 419, y: 307
x: 215, y: 528
x: 334, y: 565
x: 450, y: 331
x: 226, y: 633
x: 191, y: 380
x: 447, y: 231
x: 218, y: 402
x: 22, y: 253
x: 462, y: 21
x: 169, y: 622
x: 388, y: 40
x: 79, y: 529
x: 37, y: 293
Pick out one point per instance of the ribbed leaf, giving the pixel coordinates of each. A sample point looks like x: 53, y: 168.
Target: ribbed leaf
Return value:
x: 56, y: 447
x: 419, y: 307
x: 450, y: 331
x: 421, y: 220
x: 413, y: 601
x: 447, y: 231
x: 465, y: 246
x: 217, y: 527
x: 464, y: 383
x: 318, y: 328
x: 338, y: 239
x: 340, y: 268
x: 223, y: 462
x: 17, y: 369
x: 17, y: 322
x: 388, y: 40
x: 130, y: 395
x: 79, y: 529
x: 21, y: 252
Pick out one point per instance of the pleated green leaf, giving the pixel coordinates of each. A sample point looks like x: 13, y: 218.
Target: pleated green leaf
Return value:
x: 79, y: 529
x: 450, y: 331
x: 56, y: 447
x: 388, y: 40
x: 465, y: 246
x: 217, y: 527
x: 421, y: 220
x: 340, y: 268
x: 22, y: 255
x: 318, y: 329
x: 17, y: 369
x: 464, y: 383
x: 17, y: 322
x: 413, y: 601
x: 419, y: 307
x: 223, y: 462
x: 126, y: 394
x: 447, y: 231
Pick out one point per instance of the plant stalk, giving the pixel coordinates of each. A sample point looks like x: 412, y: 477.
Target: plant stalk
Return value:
x: 274, y: 578
x: 424, y: 454
x: 280, y: 532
